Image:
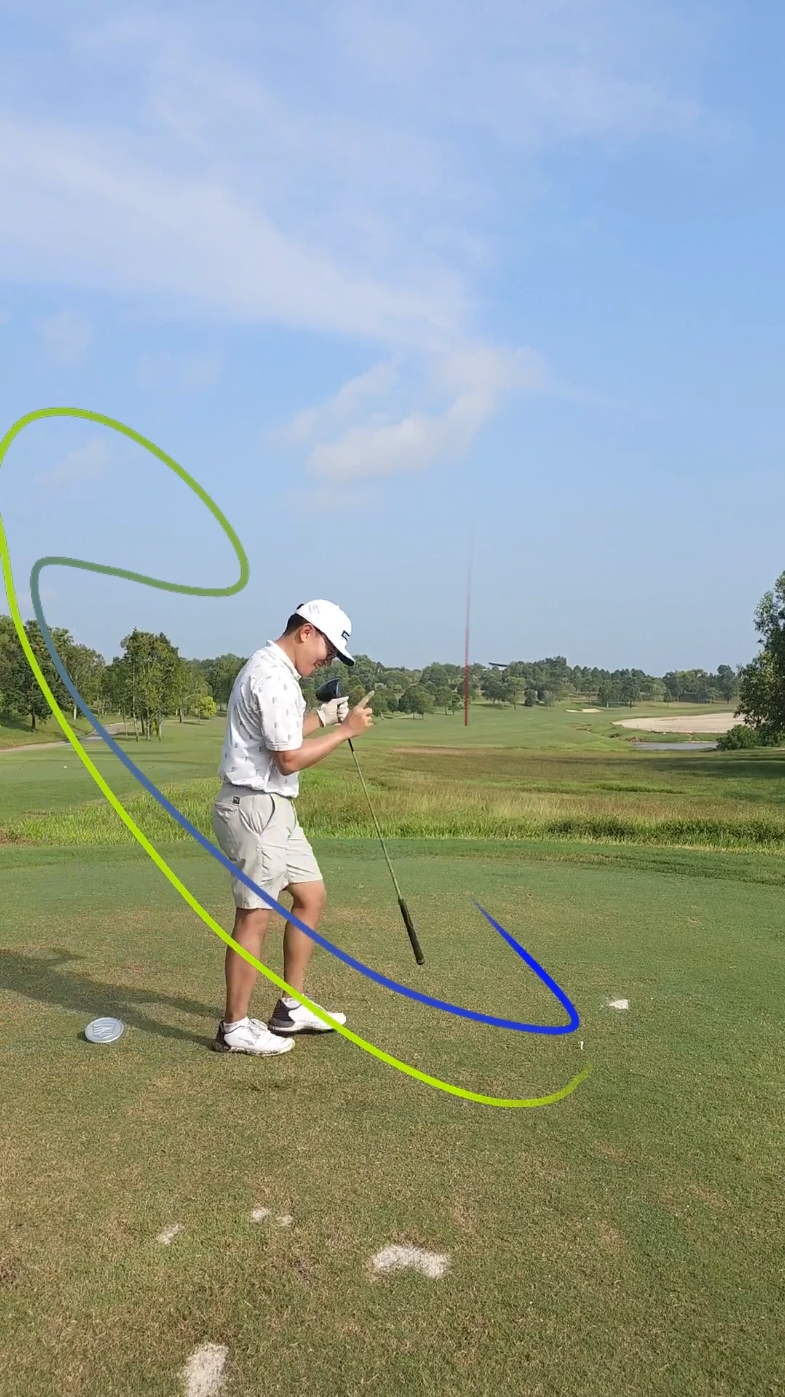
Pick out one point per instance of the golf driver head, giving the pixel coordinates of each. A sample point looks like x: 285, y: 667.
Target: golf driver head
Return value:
x: 329, y: 691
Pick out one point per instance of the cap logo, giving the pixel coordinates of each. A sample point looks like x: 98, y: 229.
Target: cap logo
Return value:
x: 345, y: 635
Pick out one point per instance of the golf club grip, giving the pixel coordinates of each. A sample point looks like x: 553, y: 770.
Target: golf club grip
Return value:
x: 418, y: 955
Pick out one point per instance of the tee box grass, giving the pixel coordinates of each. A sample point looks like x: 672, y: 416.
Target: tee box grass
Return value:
x: 625, y: 1241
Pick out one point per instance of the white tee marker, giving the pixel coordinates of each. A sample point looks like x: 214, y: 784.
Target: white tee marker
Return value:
x: 432, y: 1264
x: 167, y: 1236
x: 618, y: 1003
x: 203, y: 1373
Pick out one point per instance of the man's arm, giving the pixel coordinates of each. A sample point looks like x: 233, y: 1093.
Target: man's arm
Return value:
x: 318, y: 748
x: 311, y: 722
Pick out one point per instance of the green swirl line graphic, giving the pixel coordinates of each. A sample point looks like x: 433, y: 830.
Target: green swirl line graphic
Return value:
x: 114, y: 801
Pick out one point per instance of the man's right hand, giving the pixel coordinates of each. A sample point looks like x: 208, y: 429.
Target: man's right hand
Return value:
x: 359, y: 718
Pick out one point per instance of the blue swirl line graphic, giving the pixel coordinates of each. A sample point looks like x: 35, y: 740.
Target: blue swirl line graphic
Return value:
x: 554, y: 1030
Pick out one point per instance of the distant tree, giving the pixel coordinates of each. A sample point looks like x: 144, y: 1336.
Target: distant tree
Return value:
x: 727, y: 682
x: 22, y: 694
x: 86, y: 669
x: 151, y: 666
x: 206, y: 707
x: 221, y: 674
x: 608, y: 693
x: 416, y: 700
x: 514, y: 686
x: 189, y: 686
x: 444, y: 697
x: 397, y: 679
x: 674, y: 684
x: 492, y: 687
x: 630, y: 690
x: 434, y: 677
x: 652, y: 689
x: 762, y: 681
x: 117, y: 692
x: 383, y: 702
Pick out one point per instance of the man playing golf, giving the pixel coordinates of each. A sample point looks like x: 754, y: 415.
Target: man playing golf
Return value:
x: 255, y: 820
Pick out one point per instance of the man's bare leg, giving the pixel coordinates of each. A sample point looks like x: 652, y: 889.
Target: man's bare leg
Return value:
x: 308, y: 901
x: 250, y: 930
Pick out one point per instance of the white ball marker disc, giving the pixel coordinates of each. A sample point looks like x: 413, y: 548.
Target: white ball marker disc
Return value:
x: 104, y: 1030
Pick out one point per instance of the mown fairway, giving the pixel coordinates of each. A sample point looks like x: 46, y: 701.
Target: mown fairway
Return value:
x: 625, y: 1241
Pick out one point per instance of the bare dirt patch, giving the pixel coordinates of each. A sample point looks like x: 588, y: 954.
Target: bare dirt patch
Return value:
x: 701, y: 722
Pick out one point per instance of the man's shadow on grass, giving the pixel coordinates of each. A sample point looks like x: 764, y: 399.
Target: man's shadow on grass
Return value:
x: 37, y: 977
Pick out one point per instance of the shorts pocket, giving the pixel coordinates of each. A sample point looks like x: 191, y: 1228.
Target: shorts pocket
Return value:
x: 257, y: 813
x: 225, y: 828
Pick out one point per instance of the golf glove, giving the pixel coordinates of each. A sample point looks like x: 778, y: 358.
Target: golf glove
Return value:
x: 333, y: 712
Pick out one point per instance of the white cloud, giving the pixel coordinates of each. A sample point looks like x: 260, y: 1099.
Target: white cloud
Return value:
x: 477, y: 377
x: 415, y: 442
x: 87, y: 213
x: 66, y: 337
x: 236, y: 179
x: 349, y: 399
x: 85, y: 464
x: 538, y: 75
x: 345, y: 169
x: 491, y: 371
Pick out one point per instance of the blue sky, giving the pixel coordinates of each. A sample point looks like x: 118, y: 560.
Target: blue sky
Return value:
x: 395, y: 282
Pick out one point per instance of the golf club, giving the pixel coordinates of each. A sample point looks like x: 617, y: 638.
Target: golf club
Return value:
x: 332, y: 690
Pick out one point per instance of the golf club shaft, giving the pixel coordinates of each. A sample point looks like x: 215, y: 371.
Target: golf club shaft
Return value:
x: 407, y: 921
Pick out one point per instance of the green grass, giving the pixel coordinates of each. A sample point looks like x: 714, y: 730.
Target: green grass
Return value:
x: 712, y: 800
x: 626, y: 1241
x: 52, y: 779
x: 18, y: 733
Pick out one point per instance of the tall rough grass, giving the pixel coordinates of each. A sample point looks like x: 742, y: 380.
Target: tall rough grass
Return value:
x: 333, y: 805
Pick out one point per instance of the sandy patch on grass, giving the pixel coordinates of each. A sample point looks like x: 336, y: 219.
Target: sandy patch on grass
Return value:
x: 617, y: 1003
x: 168, y: 1234
x: 432, y: 1264
x: 702, y: 722
x: 259, y: 1214
x: 203, y: 1373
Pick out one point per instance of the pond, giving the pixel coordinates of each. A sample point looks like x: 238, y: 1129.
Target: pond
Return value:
x: 675, y: 746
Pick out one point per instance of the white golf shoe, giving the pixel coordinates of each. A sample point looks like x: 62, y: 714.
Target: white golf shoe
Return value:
x: 249, y: 1036
x: 287, y: 1020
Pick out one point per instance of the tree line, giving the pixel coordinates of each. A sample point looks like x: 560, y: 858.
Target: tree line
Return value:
x: 150, y: 681
x: 761, y: 698
x: 146, y: 683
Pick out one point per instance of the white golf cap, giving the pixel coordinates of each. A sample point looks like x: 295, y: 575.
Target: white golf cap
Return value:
x: 332, y: 622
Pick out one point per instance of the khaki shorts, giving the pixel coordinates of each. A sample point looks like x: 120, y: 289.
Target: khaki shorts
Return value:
x: 261, y: 834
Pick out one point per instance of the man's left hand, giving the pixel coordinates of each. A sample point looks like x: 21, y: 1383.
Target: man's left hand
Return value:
x: 333, y: 712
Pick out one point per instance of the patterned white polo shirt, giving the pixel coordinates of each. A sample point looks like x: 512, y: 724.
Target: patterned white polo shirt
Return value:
x: 264, y: 715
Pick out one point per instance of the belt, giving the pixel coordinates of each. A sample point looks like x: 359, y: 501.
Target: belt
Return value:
x: 254, y: 791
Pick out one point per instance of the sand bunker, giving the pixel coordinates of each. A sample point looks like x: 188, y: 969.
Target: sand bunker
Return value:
x: 702, y: 722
